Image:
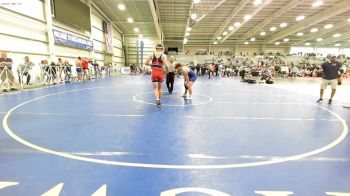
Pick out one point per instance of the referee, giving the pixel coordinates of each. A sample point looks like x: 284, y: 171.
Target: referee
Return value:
x: 171, y: 75
x: 331, y: 70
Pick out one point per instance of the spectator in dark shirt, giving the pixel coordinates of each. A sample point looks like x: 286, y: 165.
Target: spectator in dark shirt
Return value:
x: 6, y: 62
x: 331, y: 70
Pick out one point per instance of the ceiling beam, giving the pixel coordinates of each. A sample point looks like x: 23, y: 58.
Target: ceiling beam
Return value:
x: 322, y: 32
x: 317, y: 18
x: 334, y: 39
x: 188, y: 19
x: 267, y: 2
x: 155, y: 19
x: 234, y: 12
x: 268, y: 20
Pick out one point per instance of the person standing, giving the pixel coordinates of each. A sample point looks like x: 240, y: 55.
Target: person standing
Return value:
x: 330, y: 75
x: 170, y: 77
x: 158, y: 60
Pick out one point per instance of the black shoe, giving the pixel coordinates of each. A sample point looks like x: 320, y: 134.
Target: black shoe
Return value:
x: 330, y: 101
x: 320, y: 101
x: 5, y: 90
x: 159, y: 104
x: 13, y: 89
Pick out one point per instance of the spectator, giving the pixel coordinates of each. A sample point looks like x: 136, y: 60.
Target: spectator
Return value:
x: 23, y: 70
x: 6, y: 73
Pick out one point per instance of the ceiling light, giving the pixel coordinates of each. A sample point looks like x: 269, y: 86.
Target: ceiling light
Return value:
x: 141, y: 36
x: 246, y: 43
x: 277, y: 43
x: 317, y: 3
x: 299, y: 18
x: 337, y: 45
x: 230, y: 28
x: 257, y: 2
x: 273, y: 28
x: 314, y: 30
x: 328, y: 26
x: 215, y: 43
x: 121, y: 7
x: 247, y: 17
x: 185, y: 40
x: 286, y: 39
x: 337, y: 35
x: 187, y: 34
x: 300, y: 34
x: 263, y: 33
x: 307, y: 44
x: 136, y: 30
x: 225, y: 33
x: 237, y: 24
x: 252, y: 39
x: 282, y: 25
x: 348, y: 19
x: 319, y: 39
x: 219, y: 38
x: 193, y: 16
x: 189, y: 29
x: 130, y: 20
x: 196, y: 1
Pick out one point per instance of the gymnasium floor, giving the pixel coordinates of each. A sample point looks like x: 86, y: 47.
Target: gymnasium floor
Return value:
x: 107, y: 138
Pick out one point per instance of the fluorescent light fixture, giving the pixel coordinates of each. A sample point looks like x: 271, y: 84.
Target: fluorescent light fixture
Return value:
x: 196, y: 1
x: 193, y: 16
x: 130, y: 20
x: 277, y: 43
x: 307, y: 44
x: 286, y: 39
x: 225, y: 33
x: 219, y: 38
x: 328, y: 26
x: 314, y: 30
x: 300, y: 34
x: 246, y: 43
x: 237, y: 24
x: 121, y: 7
x: 185, y: 40
x: 282, y: 25
x: 215, y: 43
x: 252, y: 39
x: 247, y: 17
x: 136, y: 30
x: 230, y: 28
x: 319, y: 39
x: 257, y: 2
x: 337, y: 35
x: 273, y: 28
x: 189, y: 29
x: 317, y: 3
x: 141, y: 36
x: 299, y: 18
x: 263, y: 33
x: 337, y: 45
x: 187, y: 34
